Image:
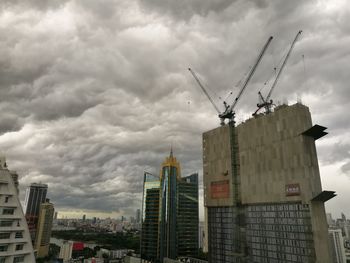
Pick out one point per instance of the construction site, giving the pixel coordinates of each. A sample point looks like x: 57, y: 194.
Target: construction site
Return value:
x: 262, y: 189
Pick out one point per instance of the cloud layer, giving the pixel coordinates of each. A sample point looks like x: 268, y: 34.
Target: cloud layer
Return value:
x: 94, y: 93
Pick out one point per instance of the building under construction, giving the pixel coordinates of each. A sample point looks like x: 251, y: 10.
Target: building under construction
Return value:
x: 262, y: 190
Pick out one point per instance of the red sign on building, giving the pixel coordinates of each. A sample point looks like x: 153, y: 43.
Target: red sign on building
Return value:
x: 220, y: 189
x: 78, y: 246
x: 292, y: 189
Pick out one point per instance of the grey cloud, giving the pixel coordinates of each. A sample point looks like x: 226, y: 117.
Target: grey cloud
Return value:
x: 185, y: 9
x: 41, y: 5
x: 337, y: 152
x: 96, y: 96
x: 346, y: 168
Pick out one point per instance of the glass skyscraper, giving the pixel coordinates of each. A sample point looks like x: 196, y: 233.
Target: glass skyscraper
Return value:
x: 169, y: 214
x: 35, y: 196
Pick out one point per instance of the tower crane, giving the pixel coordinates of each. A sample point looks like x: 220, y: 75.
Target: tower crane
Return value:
x: 228, y: 112
x: 266, y: 102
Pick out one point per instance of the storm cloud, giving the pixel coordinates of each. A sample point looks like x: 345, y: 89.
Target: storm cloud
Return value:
x: 94, y: 93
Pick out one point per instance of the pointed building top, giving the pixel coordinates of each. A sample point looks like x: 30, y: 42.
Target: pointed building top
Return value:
x: 171, y: 161
x: 171, y: 151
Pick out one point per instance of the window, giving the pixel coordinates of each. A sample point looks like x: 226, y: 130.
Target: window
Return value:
x: 3, y: 247
x: 4, y: 223
x: 8, y: 211
x: 2, y: 259
x: 19, y: 247
x: 5, y: 235
x: 19, y: 235
x: 18, y: 259
x: 7, y: 199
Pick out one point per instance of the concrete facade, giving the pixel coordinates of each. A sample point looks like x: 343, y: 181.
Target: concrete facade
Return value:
x: 15, y: 242
x: 42, y: 242
x: 262, y: 176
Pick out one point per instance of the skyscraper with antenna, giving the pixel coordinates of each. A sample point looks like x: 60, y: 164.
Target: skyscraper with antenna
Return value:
x: 170, y: 213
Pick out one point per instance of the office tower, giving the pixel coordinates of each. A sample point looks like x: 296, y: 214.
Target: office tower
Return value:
x: 170, y: 214
x: 201, y: 235
x: 342, y: 223
x: 15, y: 242
x: 84, y: 218
x: 42, y: 241
x: 329, y: 219
x: 150, y: 217
x: 262, y: 190
x: 138, y: 216
x: 337, y: 246
x: 55, y: 216
x: 66, y: 250
x: 35, y: 196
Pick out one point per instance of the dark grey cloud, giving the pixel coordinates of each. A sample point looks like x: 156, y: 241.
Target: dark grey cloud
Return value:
x: 185, y: 9
x: 41, y: 5
x: 92, y: 94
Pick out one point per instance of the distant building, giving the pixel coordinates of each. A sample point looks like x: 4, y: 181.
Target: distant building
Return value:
x: 344, y: 225
x: 170, y: 214
x: 78, y: 249
x: 330, y: 220
x: 55, y: 216
x: 337, y: 246
x: 262, y: 190
x: 119, y: 253
x: 84, y: 218
x: 138, y: 216
x: 66, y: 250
x: 42, y: 242
x: 15, y: 242
x: 35, y: 196
x: 201, y: 235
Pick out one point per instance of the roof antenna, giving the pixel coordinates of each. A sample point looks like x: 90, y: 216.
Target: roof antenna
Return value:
x: 171, y: 150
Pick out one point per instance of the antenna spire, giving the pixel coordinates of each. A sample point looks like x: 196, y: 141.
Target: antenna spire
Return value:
x: 171, y: 151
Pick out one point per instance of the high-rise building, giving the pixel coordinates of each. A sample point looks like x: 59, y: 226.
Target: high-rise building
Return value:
x: 330, y: 220
x: 15, y: 242
x: 35, y: 196
x: 138, y: 216
x: 42, y: 241
x: 262, y: 190
x: 337, y: 246
x: 201, y: 235
x: 66, y: 250
x: 170, y: 214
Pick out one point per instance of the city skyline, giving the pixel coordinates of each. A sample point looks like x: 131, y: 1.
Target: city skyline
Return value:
x: 94, y: 94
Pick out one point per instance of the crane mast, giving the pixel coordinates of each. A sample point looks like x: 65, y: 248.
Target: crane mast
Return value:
x: 266, y: 102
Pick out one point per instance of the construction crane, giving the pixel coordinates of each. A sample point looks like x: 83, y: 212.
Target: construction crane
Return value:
x: 266, y: 102
x: 228, y: 112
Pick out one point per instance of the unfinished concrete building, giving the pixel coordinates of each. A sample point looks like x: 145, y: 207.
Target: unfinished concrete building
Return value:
x: 262, y: 190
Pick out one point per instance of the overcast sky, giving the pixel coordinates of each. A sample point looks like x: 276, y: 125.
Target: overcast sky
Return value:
x: 93, y: 93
